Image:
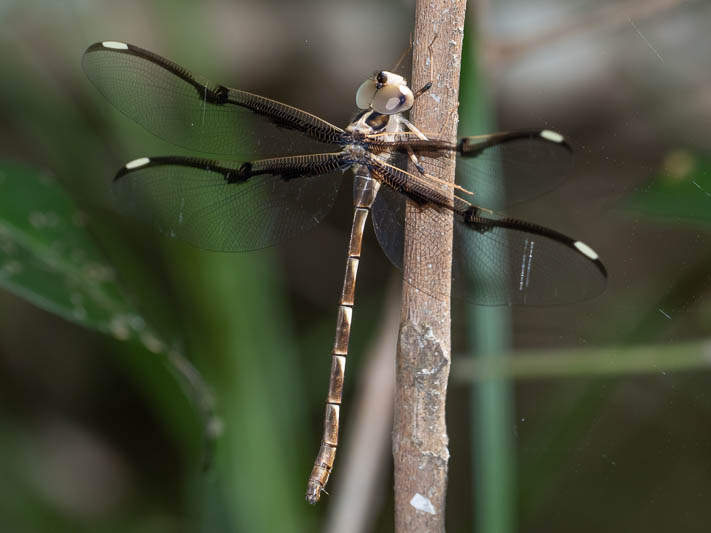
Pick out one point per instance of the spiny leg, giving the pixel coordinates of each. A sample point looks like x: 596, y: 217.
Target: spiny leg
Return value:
x: 415, y: 161
x: 402, y: 121
x: 410, y: 126
x: 426, y: 87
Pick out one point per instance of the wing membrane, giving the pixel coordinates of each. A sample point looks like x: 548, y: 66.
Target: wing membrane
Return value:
x: 228, y: 206
x: 501, y: 169
x: 497, y: 260
x: 506, y: 169
x: 190, y: 111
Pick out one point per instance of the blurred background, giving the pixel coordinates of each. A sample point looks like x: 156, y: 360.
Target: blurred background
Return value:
x: 123, y: 353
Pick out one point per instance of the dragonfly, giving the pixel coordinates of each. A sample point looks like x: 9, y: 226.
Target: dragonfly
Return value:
x: 281, y: 168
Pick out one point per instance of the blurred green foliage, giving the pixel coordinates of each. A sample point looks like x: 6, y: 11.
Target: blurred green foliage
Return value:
x: 48, y: 257
x: 681, y: 189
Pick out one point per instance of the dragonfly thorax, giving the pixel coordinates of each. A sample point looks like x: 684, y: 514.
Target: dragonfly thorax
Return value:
x: 368, y: 123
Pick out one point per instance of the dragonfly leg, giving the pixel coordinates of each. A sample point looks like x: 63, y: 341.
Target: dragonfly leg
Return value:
x: 416, y: 161
x: 426, y: 87
x: 410, y: 126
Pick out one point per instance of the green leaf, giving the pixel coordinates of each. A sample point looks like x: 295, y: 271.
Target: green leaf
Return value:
x: 681, y: 189
x: 48, y: 257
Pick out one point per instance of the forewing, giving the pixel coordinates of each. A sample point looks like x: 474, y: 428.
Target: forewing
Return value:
x: 505, y: 169
x: 190, y: 111
x: 499, y: 169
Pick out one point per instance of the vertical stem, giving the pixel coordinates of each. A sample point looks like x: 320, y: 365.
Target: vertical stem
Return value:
x: 492, y: 408
x: 492, y: 422
x: 419, y: 435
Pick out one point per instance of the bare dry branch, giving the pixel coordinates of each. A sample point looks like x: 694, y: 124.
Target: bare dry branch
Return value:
x: 420, y: 436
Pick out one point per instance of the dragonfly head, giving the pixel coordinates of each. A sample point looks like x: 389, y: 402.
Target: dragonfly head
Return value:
x: 386, y: 93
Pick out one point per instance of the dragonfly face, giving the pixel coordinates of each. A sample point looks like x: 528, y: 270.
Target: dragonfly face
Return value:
x: 382, y: 98
x: 386, y: 93
x: 242, y: 200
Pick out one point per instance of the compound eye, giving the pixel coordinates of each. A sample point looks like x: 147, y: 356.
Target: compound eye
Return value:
x: 365, y: 94
x: 381, y: 78
x: 392, y: 99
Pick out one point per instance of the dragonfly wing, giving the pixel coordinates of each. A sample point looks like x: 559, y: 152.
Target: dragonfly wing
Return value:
x: 496, y: 260
x: 505, y: 169
x: 500, y: 260
x: 190, y: 111
x: 228, y: 206
x: 500, y: 169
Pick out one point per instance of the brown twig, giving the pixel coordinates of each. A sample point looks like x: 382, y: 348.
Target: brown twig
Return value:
x: 419, y: 434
